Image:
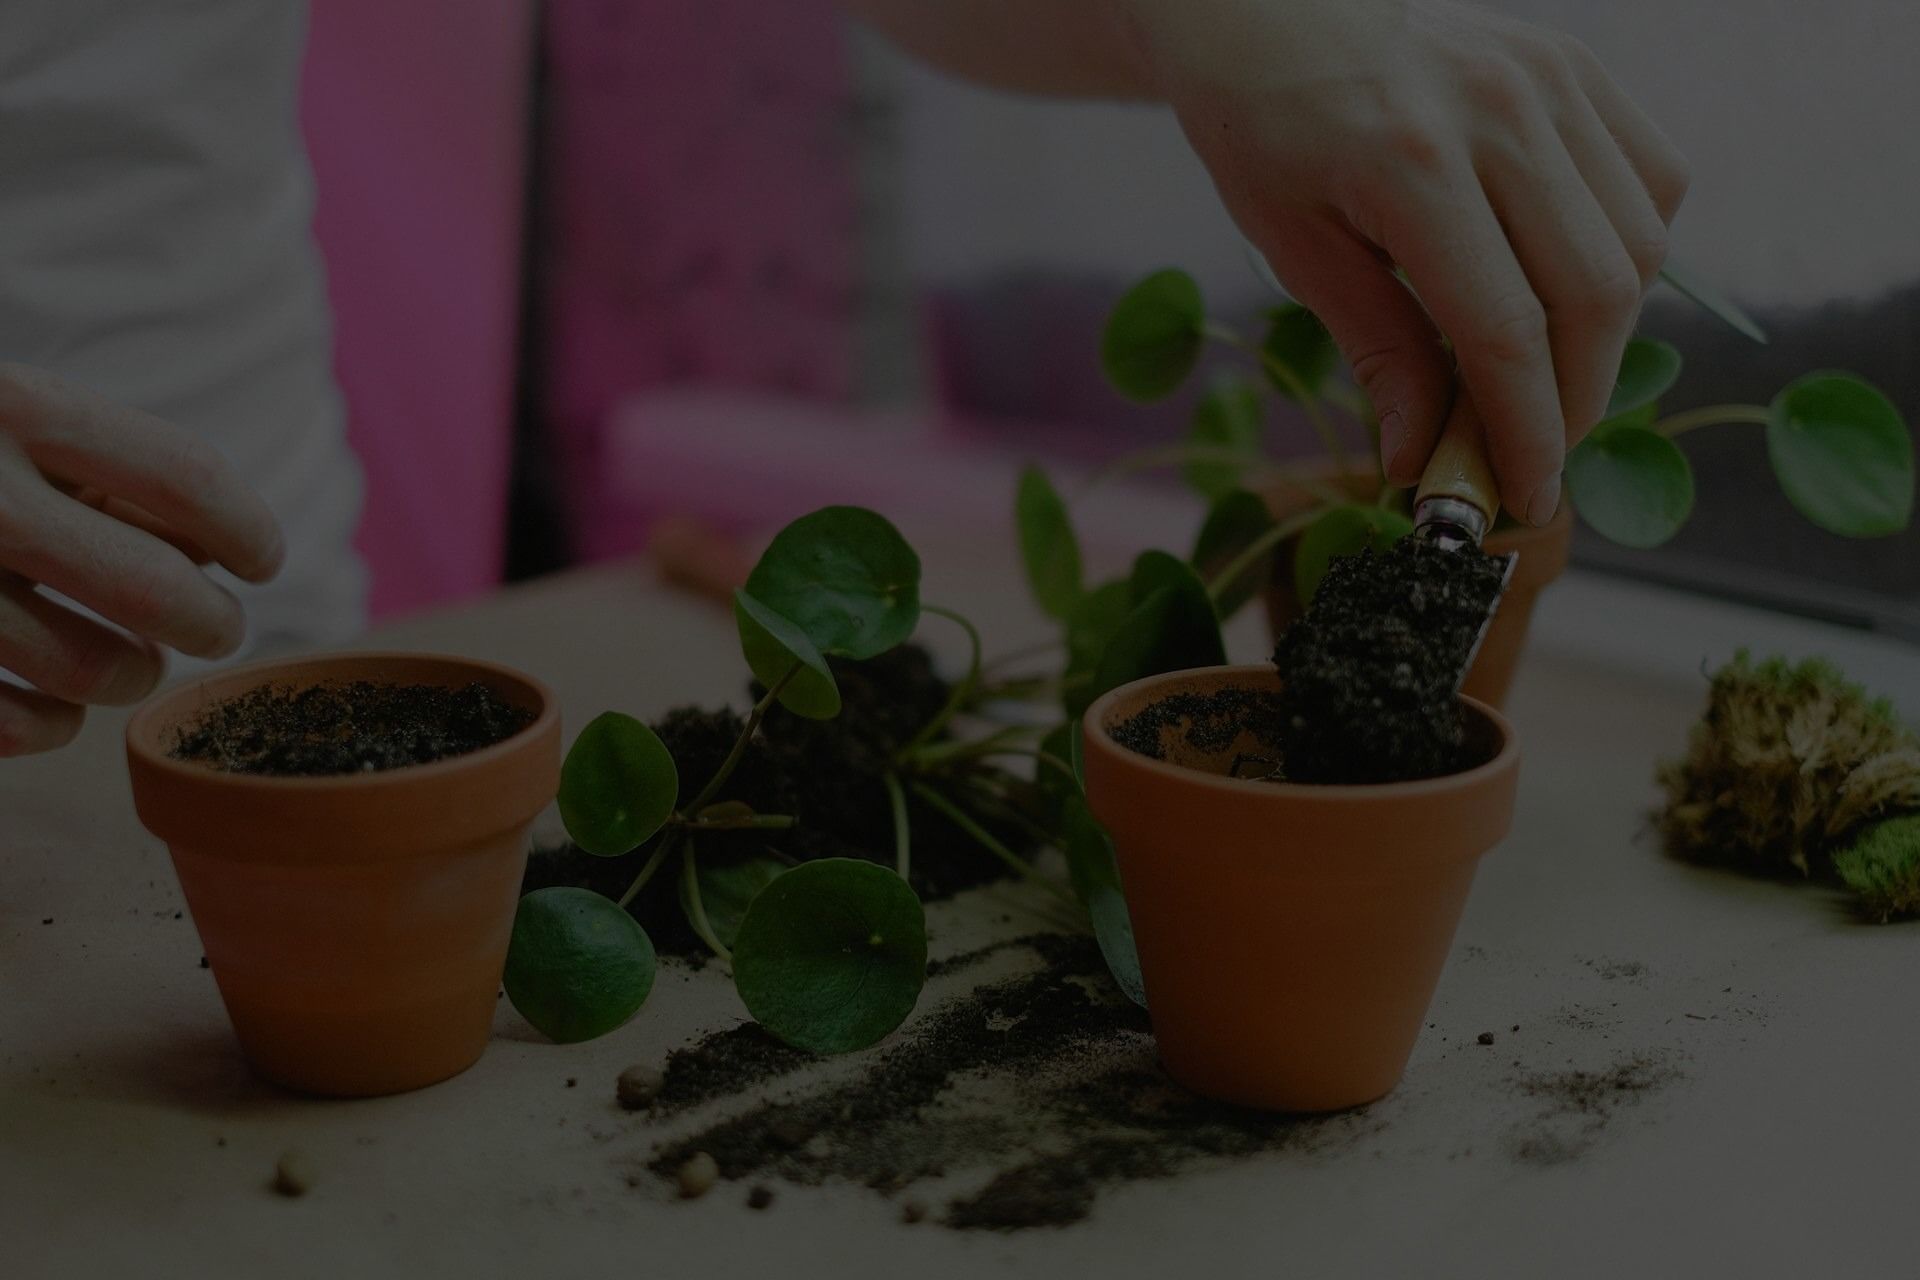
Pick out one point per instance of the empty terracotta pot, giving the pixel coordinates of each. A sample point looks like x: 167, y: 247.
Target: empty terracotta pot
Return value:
x: 357, y: 925
x: 1290, y: 936
x: 1543, y: 557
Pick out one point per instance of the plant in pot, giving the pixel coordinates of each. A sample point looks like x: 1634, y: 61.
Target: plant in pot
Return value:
x: 789, y: 835
x: 350, y: 834
x: 1838, y: 447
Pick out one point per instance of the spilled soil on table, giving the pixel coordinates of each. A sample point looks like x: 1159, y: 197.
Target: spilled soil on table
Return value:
x: 1019, y: 1101
x: 358, y: 727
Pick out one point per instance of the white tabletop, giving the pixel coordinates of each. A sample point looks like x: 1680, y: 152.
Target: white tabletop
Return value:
x: 1780, y: 1140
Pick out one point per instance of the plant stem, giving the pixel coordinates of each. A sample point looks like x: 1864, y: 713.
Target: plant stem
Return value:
x: 739, y: 749
x: 1309, y: 402
x: 957, y: 698
x: 941, y: 753
x: 1260, y: 546
x: 986, y: 840
x: 902, y: 836
x: 1713, y: 415
x: 667, y: 840
x: 1025, y: 651
x: 701, y: 925
x: 1046, y: 758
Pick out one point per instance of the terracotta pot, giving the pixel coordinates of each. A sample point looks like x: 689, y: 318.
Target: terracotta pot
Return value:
x: 1290, y: 936
x: 1543, y: 556
x: 357, y: 925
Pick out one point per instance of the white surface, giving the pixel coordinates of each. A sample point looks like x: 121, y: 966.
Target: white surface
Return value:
x: 1784, y: 1148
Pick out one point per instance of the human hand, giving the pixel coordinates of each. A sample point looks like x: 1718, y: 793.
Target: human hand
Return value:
x: 1525, y: 198
x: 116, y: 510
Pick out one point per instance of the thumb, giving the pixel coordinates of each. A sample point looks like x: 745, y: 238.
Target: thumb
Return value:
x: 1396, y: 352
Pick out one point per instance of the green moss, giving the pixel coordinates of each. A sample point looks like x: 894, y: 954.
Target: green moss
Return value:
x: 1882, y: 866
x: 1789, y: 762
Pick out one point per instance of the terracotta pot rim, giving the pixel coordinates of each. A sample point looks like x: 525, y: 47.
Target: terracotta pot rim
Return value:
x: 1503, y: 758
x: 144, y: 730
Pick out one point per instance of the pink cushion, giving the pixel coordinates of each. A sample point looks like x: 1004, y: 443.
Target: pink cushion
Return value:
x: 415, y: 121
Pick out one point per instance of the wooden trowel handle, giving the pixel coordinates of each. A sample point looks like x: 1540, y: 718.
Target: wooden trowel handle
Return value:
x: 1459, y: 468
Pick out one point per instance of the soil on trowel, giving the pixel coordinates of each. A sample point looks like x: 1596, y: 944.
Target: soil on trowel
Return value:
x: 358, y: 727
x: 1024, y: 1099
x: 828, y: 775
x: 1370, y: 672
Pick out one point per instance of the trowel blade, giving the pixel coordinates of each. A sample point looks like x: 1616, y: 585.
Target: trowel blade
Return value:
x: 1512, y: 559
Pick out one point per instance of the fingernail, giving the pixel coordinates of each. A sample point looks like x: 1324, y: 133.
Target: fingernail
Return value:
x: 1546, y: 501
x: 1393, y: 437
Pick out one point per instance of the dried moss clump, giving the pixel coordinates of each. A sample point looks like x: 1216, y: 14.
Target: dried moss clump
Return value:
x: 1787, y: 766
x: 1883, y: 868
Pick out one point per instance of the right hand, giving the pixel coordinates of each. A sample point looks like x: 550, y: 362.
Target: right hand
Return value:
x: 116, y: 510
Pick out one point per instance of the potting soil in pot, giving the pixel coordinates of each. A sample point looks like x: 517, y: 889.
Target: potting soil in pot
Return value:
x: 359, y: 727
x: 1370, y: 672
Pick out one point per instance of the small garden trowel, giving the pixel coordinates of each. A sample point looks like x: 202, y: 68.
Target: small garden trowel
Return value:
x: 1457, y: 501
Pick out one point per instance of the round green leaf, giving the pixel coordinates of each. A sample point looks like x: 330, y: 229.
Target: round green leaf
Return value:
x: 726, y: 889
x: 1299, y: 343
x: 832, y: 955
x: 1634, y: 486
x: 1090, y: 628
x: 1173, y: 629
x: 845, y: 577
x: 1842, y: 455
x: 1048, y: 547
x: 1232, y: 524
x: 618, y: 785
x: 1226, y: 419
x: 1648, y: 368
x: 1054, y: 788
x: 1153, y: 570
x: 1154, y: 336
x: 771, y: 645
x: 578, y: 965
x: 1096, y: 879
x: 1342, y: 531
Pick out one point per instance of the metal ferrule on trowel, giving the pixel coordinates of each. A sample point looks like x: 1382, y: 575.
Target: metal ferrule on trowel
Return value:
x: 1457, y: 501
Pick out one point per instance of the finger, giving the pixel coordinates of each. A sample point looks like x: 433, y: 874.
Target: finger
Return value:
x: 1660, y: 166
x: 75, y: 435
x: 1455, y: 252
x: 69, y: 657
x: 1574, y: 260
x: 126, y: 576
x: 31, y: 721
x: 697, y: 558
x: 1623, y: 197
x: 1389, y: 341
x: 140, y: 518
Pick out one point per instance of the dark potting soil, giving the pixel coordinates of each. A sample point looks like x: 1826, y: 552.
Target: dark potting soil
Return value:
x: 1370, y: 671
x: 1578, y: 1105
x: 346, y: 728
x: 828, y: 774
x: 1066, y: 1098
x: 1209, y: 723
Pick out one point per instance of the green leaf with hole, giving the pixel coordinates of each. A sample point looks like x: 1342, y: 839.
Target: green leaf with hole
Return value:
x: 845, y: 577
x: 1154, y: 335
x: 618, y: 785
x: 1342, y: 531
x: 1712, y: 301
x: 1173, y: 628
x: 832, y: 955
x: 1648, y: 369
x: 1300, y: 345
x: 578, y: 965
x: 1632, y: 485
x: 1227, y: 420
x: 1048, y: 547
x: 772, y: 645
x: 1096, y: 880
x: 1232, y: 525
x: 726, y: 889
x: 1843, y: 455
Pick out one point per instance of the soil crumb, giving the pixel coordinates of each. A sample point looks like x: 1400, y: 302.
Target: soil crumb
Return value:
x: 1209, y: 724
x: 1370, y: 672
x: 1014, y: 1105
x: 357, y: 727
x: 1577, y: 1106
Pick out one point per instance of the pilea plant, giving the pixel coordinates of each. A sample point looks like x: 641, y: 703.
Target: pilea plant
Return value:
x: 1839, y: 448
x: 827, y: 954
